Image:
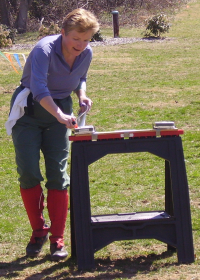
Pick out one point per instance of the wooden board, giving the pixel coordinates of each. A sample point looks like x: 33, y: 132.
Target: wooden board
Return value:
x: 126, y: 134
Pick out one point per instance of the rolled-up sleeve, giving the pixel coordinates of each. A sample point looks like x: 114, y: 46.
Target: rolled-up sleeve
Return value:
x: 83, y: 79
x: 39, y: 72
x: 82, y: 85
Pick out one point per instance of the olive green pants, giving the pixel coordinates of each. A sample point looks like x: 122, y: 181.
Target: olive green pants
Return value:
x: 38, y: 131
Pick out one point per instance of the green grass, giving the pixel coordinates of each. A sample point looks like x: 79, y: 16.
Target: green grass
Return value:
x: 132, y: 86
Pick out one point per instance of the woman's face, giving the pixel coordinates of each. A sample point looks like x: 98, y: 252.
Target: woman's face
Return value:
x: 75, y: 42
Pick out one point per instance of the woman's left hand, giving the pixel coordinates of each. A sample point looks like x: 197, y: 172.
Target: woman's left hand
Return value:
x: 85, y: 101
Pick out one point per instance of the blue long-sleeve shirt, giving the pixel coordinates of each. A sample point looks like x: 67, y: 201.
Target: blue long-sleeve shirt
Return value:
x: 47, y: 73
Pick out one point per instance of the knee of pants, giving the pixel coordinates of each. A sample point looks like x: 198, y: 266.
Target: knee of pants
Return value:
x: 56, y: 174
x: 28, y: 167
x: 61, y: 183
x: 28, y: 178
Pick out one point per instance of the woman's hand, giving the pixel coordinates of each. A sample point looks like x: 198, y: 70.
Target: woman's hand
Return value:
x: 68, y: 120
x: 48, y: 103
x: 85, y: 101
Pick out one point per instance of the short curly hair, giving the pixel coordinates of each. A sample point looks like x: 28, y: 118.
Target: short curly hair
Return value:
x: 80, y: 20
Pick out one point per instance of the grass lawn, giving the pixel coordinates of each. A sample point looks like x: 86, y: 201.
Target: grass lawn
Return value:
x: 132, y: 86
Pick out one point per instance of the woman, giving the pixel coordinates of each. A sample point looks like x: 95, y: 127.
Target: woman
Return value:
x: 56, y: 66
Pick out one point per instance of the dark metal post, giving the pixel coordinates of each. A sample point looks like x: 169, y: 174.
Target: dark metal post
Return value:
x: 115, y: 24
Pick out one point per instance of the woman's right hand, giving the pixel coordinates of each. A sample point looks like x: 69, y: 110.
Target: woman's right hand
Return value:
x: 48, y: 103
x: 68, y: 120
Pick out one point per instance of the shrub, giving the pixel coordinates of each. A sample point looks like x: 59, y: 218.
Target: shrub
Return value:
x: 7, y: 36
x: 97, y: 37
x: 157, y: 25
x: 51, y: 30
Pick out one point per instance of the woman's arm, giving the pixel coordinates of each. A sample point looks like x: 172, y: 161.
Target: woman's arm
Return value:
x: 48, y: 103
x: 81, y: 94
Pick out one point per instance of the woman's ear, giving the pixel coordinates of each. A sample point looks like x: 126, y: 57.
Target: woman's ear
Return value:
x: 62, y: 31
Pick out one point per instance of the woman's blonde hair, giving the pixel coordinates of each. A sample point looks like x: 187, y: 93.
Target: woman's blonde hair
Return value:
x: 80, y: 20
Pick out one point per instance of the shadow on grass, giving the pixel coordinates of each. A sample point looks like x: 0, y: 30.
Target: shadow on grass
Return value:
x: 104, y: 268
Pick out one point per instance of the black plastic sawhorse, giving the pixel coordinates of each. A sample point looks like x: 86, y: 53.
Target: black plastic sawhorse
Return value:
x: 171, y: 226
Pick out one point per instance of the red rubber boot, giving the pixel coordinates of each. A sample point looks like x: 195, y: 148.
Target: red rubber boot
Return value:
x: 33, y: 199
x: 57, y: 204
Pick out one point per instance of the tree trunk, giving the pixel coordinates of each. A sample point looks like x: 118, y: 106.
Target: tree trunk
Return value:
x: 4, y: 13
x: 13, y: 3
x: 21, y: 22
